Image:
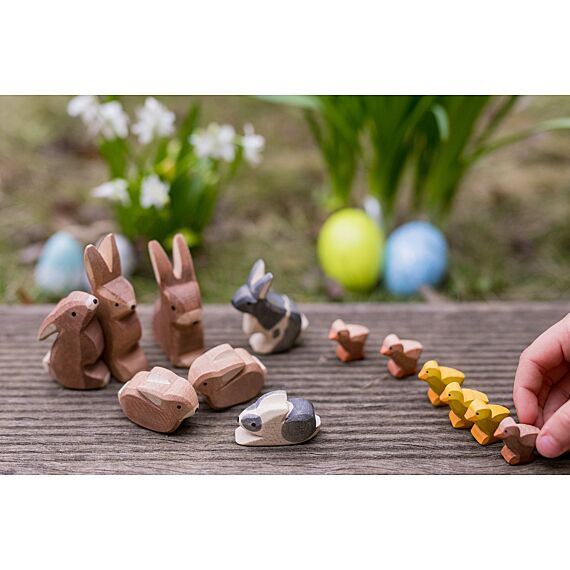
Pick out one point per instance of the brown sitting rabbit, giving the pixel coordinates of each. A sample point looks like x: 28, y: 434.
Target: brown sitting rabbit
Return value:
x: 74, y: 358
x: 117, y: 312
x: 177, y: 319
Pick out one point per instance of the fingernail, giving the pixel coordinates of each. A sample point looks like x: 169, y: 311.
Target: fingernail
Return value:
x: 548, y: 446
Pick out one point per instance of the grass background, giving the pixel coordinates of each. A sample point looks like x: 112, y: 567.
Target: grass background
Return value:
x: 509, y: 232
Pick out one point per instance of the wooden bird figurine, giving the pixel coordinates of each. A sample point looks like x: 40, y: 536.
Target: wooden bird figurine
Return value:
x: 227, y: 376
x: 351, y: 339
x: 117, y: 310
x: 519, y: 440
x: 402, y: 354
x: 458, y: 400
x: 158, y: 400
x: 276, y: 420
x: 177, y: 318
x: 486, y: 418
x: 75, y: 356
x: 438, y: 377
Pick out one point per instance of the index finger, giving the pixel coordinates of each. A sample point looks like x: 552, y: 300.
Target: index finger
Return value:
x: 540, y: 365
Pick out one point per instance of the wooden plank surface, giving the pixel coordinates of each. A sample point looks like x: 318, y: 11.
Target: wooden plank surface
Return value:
x: 372, y: 423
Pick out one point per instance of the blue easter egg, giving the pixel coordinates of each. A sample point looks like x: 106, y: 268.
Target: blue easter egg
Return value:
x: 60, y: 265
x: 416, y: 255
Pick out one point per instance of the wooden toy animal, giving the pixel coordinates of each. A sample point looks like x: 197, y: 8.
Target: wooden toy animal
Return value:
x: 350, y: 338
x: 486, y: 418
x: 519, y: 440
x: 402, y: 354
x: 275, y: 420
x: 273, y: 321
x: 227, y: 376
x: 438, y: 377
x: 458, y: 400
x: 177, y: 319
x: 158, y: 400
x: 117, y: 311
x: 75, y: 356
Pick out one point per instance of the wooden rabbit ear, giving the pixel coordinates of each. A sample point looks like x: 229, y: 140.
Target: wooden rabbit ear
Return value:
x: 257, y: 272
x: 110, y: 253
x: 160, y: 264
x: 96, y: 268
x: 183, y: 265
x: 262, y: 286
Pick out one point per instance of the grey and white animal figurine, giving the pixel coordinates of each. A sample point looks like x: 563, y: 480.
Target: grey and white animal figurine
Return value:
x: 273, y: 321
x: 276, y: 420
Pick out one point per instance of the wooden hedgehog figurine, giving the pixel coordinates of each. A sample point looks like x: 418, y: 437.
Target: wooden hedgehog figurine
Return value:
x: 117, y: 311
x: 402, y: 354
x: 227, y: 376
x: 519, y: 440
x: 273, y: 321
x: 275, y: 420
x: 351, y: 339
x: 75, y: 356
x: 177, y: 318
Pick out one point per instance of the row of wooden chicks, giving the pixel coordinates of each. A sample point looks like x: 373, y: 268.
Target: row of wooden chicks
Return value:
x: 470, y: 409
x: 98, y: 336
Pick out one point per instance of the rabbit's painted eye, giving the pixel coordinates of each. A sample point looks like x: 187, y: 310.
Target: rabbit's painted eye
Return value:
x: 95, y: 301
x: 179, y: 407
x: 73, y: 313
x: 173, y: 307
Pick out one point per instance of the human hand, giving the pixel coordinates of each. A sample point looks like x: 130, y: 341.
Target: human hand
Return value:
x: 542, y: 388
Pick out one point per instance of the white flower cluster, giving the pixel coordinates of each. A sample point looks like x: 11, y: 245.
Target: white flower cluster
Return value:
x: 220, y: 142
x: 110, y: 120
x: 154, y: 192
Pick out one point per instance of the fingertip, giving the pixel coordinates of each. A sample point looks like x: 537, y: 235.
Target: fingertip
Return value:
x: 548, y: 446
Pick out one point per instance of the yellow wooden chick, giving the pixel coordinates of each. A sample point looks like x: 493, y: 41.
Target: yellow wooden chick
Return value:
x: 458, y: 400
x: 438, y: 377
x: 486, y: 418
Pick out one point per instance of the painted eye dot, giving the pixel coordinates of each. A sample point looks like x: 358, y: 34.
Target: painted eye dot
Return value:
x: 173, y: 307
x: 205, y: 384
x: 94, y: 301
x: 477, y: 413
x: 116, y: 304
x: 73, y: 313
x: 179, y: 406
x: 238, y: 419
x: 195, y: 322
x: 253, y: 424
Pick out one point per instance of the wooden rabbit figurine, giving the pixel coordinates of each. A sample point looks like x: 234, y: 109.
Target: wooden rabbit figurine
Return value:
x: 227, y: 376
x: 402, y: 354
x: 350, y: 338
x: 273, y: 321
x: 117, y: 310
x: 159, y: 400
x: 519, y: 440
x: 276, y: 420
x: 177, y: 319
x: 74, y: 358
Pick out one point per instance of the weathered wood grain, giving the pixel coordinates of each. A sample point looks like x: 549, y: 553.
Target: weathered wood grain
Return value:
x: 372, y: 423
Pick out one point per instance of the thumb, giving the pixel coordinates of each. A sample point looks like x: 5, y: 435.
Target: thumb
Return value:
x: 554, y: 438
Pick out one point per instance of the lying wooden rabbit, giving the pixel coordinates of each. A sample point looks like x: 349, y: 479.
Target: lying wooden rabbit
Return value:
x: 117, y: 311
x: 75, y: 356
x: 275, y: 420
x: 273, y: 321
x: 177, y: 319
x: 158, y: 400
x: 226, y: 376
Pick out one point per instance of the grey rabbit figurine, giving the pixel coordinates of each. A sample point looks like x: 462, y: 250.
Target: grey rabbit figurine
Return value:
x: 273, y: 419
x: 273, y: 321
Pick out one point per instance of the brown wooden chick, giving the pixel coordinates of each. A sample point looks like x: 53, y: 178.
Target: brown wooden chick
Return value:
x: 351, y: 339
x: 402, y: 354
x: 519, y: 440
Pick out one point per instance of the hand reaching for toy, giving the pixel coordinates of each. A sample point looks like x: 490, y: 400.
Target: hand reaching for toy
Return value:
x: 542, y: 388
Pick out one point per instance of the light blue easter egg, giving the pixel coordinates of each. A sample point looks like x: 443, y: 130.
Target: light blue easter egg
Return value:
x: 416, y: 255
x: 60, y: 265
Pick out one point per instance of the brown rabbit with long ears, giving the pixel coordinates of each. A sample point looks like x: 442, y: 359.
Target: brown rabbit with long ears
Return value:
x: 117, y: 313
x: 74, y: 358
x: 177, y: 320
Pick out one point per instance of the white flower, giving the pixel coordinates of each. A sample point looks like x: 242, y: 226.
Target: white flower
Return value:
x: 111, y: 121
x: 154, y: 192
x: 216, y: 141
x: 83, y: 106
x: 154, y: 120
x: 252, y: 144
x: 115, y: 190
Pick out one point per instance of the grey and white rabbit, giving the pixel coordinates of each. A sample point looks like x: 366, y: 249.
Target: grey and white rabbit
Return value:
x: 273, y: 321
